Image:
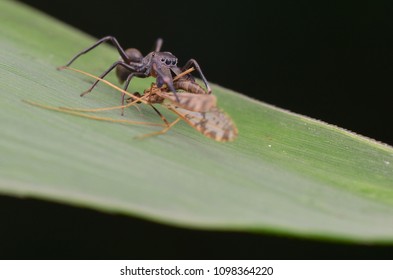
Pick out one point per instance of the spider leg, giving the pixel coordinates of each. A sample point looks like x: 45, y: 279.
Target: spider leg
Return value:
x: 198, y: 68
x: 122, y: 63
x: 112, y: 39
x: 134, y: 74
x: 101, y: 76
x: 158, y: 45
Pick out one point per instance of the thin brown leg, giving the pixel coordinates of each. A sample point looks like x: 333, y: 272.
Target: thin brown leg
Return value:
x: 90, y: 116
x: 159, y: 132
x: 161, y: 116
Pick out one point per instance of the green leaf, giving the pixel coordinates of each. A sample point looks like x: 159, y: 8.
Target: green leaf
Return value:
x: 285, y: 173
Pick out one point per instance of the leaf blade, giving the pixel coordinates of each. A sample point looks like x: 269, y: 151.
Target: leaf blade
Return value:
x: 286, y: 173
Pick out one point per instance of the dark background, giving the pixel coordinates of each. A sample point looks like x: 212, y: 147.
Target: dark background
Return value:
x: 330, y: 61
x: 34, y: 229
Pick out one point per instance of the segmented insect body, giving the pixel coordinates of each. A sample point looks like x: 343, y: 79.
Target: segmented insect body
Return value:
x: 189, y: 86
x: 194, y: 105
x: 188, y: 101
x: 185, y: 81
x: 214, y: 124
x: 198, y: 110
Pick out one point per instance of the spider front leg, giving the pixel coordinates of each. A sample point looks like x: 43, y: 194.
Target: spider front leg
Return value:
x: 198, y: 68
x: 112, y: 39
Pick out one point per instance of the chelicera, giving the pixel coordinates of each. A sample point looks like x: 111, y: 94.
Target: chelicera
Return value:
x: 162, y: 65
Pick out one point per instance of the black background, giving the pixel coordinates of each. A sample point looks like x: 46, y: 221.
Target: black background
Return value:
x: 33, y: 229
x: 331, y: 61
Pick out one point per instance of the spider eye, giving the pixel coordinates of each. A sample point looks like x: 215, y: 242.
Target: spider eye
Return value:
x: 173, y: 62
x: 168, y: 62
x: 162, y: 60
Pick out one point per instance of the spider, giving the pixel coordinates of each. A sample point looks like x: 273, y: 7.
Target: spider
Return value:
x: 162, y: 65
